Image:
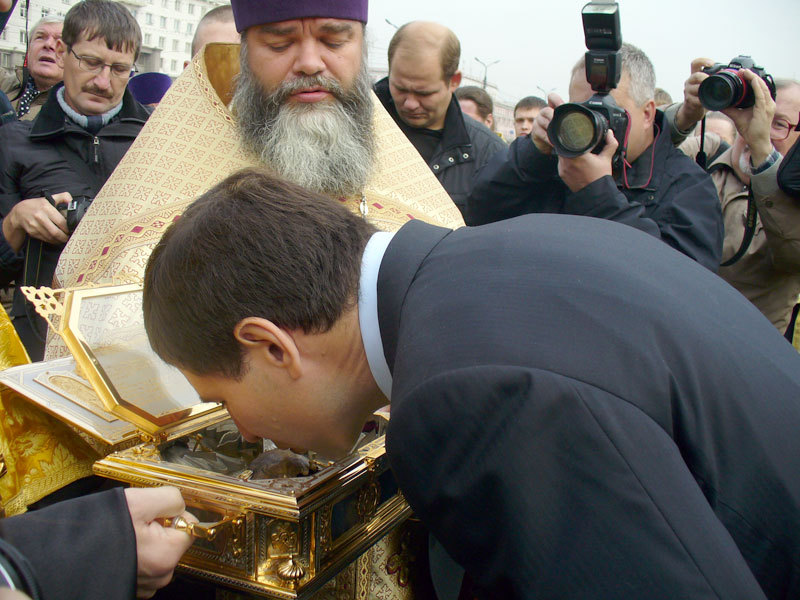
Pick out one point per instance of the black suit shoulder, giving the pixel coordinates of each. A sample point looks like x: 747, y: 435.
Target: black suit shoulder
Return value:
x: 520, y: 472
x: 623, y: 381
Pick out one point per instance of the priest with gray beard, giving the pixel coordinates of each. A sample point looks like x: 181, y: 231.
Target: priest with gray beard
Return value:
x: 303, y: 98
x: 303, y: 105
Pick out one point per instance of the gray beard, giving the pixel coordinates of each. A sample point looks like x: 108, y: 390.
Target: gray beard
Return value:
x: 327, y: 147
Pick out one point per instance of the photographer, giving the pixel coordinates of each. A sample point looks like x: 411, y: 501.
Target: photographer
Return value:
x: 761, y: 260
x: 657, y: 189
x: 68, y: 151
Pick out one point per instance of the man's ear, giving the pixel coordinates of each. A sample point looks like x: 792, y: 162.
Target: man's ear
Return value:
x: 455, y: 81
x: 61, y: 50
x: 649, y: 114
x: 490, y: 121
x: 275, y: 346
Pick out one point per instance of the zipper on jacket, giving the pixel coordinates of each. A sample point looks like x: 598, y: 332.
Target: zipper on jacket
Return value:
x: 96, y: 146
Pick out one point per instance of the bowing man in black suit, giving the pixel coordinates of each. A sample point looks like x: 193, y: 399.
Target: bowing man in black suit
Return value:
x: 578, y: 410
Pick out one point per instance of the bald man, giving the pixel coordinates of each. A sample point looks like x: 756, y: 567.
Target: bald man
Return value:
x: 217, y: 25
x: 418, y: 93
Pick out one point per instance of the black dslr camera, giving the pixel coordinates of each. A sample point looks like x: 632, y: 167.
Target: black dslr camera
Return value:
x: 580, y: 128
x: 73, y: 211
x: 725, y: 87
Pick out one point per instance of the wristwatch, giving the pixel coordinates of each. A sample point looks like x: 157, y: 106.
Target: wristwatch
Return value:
x: 773, y: 157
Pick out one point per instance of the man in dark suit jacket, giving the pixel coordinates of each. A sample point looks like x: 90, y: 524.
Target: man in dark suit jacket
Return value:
x: 569, y: 423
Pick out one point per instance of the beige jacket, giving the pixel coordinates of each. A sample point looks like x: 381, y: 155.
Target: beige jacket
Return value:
x: 769, y: 272
x: 11, y: 84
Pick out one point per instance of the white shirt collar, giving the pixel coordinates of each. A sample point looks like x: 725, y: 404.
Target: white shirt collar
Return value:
x: 368, y: 310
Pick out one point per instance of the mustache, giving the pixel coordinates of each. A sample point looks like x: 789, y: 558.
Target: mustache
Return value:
x: 287, y: 88
x: 98, y: 92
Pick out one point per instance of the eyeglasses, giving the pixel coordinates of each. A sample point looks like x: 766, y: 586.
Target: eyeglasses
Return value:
x: 781, y: 128
x: 90, y: 64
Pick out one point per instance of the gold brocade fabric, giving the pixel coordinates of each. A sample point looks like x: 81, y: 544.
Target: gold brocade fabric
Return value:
x: 796, y: 335
x: 189, y: 144
x: 12, y: 352
x: 39, y: 452
x: 373, y: 574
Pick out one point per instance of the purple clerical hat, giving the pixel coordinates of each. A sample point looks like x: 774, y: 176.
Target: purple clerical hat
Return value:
x: 247, y: 13
x: 149, y: 88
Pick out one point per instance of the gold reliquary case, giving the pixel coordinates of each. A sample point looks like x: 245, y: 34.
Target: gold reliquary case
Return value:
x: 273, y: 524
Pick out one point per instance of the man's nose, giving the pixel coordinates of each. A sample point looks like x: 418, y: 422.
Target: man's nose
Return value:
x: 103, y: 78
x: 410, y: 102
x: 309, y: 60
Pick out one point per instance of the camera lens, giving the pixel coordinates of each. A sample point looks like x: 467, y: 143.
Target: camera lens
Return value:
x: 576, y: 132
x: 721, y: 90
x: 575, y: 129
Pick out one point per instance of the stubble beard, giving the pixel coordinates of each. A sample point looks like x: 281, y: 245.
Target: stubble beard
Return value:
x: 327, y: 146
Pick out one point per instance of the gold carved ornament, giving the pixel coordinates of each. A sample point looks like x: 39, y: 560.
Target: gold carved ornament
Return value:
x: 209, y: 531
x: 284, y: 547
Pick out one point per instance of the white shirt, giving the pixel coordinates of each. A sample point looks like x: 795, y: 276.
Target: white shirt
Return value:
x: 368, y: 310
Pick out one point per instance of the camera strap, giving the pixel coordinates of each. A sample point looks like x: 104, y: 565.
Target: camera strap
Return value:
x: 34, y: 247
x: 701, y: 158
x: 30, y: 276
x: 749, y: 229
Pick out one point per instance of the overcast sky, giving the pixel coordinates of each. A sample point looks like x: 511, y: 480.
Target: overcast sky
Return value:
x: 537, y: 42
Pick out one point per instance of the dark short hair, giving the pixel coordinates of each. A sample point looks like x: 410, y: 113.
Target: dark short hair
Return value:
x: 530, y: 102
x: 253, y: 245
x: 449, y: 50
x: 92, y: 19
x: 479, y: 96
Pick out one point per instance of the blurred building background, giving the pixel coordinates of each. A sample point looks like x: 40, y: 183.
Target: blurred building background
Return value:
x: 167, y: 30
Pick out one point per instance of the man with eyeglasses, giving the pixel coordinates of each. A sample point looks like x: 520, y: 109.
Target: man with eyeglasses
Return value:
x: 761, y: 253
x: 52, y: 167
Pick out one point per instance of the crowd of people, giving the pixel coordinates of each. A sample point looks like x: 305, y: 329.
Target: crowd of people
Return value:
x: 602, y: 355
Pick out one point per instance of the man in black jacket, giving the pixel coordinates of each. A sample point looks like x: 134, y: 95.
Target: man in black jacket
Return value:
x: 418, y: 93
x: 567, y: 425
x: 63, y: 157
x: 657, y: 190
